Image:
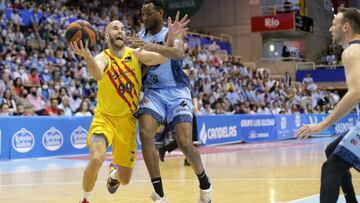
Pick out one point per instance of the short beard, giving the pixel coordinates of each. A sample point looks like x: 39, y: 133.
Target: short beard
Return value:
x: 114, y: 45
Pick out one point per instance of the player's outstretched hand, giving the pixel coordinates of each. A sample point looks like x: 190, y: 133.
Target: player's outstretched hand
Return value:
x: 307, y: 130
x: 79, y: 48
x: 178, y: 27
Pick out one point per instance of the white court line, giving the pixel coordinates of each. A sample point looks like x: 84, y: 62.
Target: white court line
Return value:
x: 172, y: 180
x: 304, y: 198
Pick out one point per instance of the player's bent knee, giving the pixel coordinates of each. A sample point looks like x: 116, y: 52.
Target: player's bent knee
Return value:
x: 329, y: 150
x: 327, y: 169
x: 186, y: 147
x: 145, y: 136
x: 97, y: 159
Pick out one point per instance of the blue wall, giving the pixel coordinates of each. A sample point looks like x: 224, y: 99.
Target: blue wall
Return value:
x: 323, y: 75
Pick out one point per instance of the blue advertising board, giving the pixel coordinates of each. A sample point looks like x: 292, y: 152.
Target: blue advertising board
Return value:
x: 344, y: 124
x: 4, y: 140
x: 220, y: 129
x: 254, y: 128
x: 47, y: 136
x: 216, y: 130
x: 286, y: 125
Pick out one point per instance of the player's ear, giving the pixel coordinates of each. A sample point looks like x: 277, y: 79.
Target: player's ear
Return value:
x: 345, y: 27
x: 107, y: 36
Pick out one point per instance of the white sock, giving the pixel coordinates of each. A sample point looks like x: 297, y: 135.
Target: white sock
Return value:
x: 86, y: 195
x: 113, y: 174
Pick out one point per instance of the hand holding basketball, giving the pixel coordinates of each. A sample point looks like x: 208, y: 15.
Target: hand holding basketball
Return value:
x: 79, y: 48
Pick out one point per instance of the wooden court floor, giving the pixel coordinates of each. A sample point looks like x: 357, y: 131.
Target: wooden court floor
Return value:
x: 254, y: 173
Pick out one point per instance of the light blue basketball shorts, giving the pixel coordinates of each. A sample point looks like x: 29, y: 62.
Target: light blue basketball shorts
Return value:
x: 171, y: 105
x: 349, y: 147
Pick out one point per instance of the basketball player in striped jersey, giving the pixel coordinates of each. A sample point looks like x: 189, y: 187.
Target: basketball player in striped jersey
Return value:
x: 118, y: 73
x: 344, y: 152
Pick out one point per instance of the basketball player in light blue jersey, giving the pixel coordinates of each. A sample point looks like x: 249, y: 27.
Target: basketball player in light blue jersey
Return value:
x: 343, y: 153
x: 166, y: 98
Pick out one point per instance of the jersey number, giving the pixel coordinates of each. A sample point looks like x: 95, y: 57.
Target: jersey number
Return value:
x: 127, y: 87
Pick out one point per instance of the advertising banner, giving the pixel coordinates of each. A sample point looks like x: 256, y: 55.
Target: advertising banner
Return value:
x: 255, y: 128
x: 4, y: 139
x: 220, y: 129
x: 278, y: 22
x: 47, y: 136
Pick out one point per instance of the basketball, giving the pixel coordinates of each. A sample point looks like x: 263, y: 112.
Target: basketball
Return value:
x: 80, y: 30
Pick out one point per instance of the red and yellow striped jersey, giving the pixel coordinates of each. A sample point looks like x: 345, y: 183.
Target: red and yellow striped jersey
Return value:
x: 119, y: 88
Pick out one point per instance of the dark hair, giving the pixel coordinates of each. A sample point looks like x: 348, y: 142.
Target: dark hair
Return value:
x: 352, y: 16
x: 158, y: 4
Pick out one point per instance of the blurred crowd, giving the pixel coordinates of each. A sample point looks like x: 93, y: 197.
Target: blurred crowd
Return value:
x: 228, y: 87
x: 331, y: 56
x: 39, y: 75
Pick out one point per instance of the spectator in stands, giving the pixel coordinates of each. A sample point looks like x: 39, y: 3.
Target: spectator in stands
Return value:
x: 75, y: 101
x: 275, y: 109
x: 206, y: 109
x: 8, y: 99
x: 286, y: 109
x: 218, y: 108
x: 4, y: 110
x: 46, y: 92
x: 20, y: 110
x: 330, y: 58
x: 18, y: 86
x: 29, y: 111
x: 244, y: 108
x: 295, y: 108
x: 83, y: 110
x: 263, y: 109
x: 46, y: 75
x: 22, y: 74
x: 65, y: 106
x: 36, y: 101
x: 287, y: 79
x: 323, y: 58
x: 6, y: 82
x: 232, y: 96
x: 53, y: 109
x: 307, y: 80
x: 34, y: 79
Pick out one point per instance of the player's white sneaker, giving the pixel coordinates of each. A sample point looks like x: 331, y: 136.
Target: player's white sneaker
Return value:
x: 205, y: 196
x: 156, y: 198
x: 84, y: 200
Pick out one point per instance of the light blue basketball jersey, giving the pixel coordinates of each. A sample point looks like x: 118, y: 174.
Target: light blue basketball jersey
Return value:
x: 349, y: 147
x: 169, y: 74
